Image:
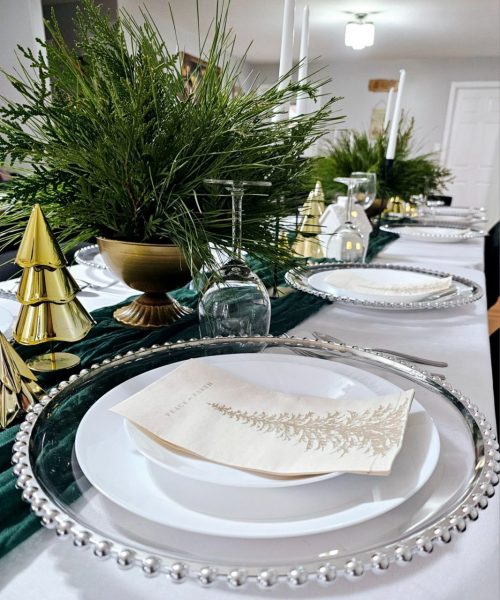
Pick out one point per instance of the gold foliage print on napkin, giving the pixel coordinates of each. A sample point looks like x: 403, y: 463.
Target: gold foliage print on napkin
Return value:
x: 374, y: 431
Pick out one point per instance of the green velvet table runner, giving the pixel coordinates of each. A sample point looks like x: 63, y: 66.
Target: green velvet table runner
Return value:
x: 108, y: 338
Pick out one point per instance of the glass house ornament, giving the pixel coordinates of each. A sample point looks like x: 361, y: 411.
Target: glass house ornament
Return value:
x: 346, y: 242
x: 334, y: 217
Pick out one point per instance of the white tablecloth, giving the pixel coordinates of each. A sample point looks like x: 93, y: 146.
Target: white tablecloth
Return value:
x: 48, y: 569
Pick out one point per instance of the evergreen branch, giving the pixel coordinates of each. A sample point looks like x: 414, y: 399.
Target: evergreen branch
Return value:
x: 412, y: 174
x: 117, y: 145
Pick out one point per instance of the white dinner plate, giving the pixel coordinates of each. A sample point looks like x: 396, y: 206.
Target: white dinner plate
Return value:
x: 447, y: 235
x: 114, y: 466
x: 7, y: 319
x: 339, y: 282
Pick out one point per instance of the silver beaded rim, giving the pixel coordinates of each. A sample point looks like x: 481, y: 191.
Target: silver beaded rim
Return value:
x: 377, y: 560
x: 460, y: 235
x: 89, y: 263
x: 298, y: 279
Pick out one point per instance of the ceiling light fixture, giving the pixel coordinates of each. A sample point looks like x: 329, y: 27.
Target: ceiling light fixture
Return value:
x: 359, y: 34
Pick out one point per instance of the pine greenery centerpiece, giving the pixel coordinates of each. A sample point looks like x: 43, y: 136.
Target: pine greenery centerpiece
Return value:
x: 114, y: 143
x: 355, y: 151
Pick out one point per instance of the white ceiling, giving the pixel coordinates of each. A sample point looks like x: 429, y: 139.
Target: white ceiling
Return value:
x: 403, y: 28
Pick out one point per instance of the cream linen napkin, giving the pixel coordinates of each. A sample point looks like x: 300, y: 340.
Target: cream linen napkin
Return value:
x: 211, y: 413
x: 347, y: 280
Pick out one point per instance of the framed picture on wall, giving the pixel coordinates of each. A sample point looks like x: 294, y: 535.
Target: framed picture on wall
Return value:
x: 193, y: 70
x: 377, y: 120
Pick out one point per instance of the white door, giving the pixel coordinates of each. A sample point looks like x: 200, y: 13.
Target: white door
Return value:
x: 470, y: 143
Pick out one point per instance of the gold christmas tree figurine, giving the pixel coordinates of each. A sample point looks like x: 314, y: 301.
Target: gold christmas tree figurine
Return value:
x: 319, y: 197
x: 307, y: 243
x: 18, y: 387
x: 50, y: 310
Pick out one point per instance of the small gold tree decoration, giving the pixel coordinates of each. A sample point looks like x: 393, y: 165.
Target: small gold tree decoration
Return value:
x: 318, y: 196
x: 50, y: 310
x: 18, y: 387
x: 307, y: 243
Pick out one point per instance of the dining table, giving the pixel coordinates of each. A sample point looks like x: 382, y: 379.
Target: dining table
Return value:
x: 45, y: 567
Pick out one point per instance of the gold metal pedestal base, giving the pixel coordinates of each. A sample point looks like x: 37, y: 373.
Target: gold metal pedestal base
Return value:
x: 53, y: 361
x: 279, y: 292
x: 151, y: 310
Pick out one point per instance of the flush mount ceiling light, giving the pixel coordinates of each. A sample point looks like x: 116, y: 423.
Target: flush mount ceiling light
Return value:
x: 360, y: 33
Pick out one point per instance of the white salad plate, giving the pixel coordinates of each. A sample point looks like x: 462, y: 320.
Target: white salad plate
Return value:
x: 455, y: 211
x: 380, y: 284
x: 427, y: 233
x: 210, y: 472
x: 451, y: 219
x: 179, y: 495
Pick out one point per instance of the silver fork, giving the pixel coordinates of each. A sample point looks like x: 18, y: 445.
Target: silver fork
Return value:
x: 416, y: 359
x: 93, y: 286
x: 317, y: 354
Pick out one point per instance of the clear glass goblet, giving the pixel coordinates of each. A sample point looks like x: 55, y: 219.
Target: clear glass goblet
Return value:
x: 236, y: 302
x: 346, y: 242
x: 366, y: 191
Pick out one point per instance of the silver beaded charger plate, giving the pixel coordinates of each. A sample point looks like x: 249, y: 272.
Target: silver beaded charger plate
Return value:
x: 464, y: 291
x: 52, y: 483
x: 433, y: 233
x: 90, y: 257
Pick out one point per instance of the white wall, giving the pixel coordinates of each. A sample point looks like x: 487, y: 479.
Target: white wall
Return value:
x: 425, y: 95
x: 21, y: 22
x: 159, y: 10
x: 187, y: 40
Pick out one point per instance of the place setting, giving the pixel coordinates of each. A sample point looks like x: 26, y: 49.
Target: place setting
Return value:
x: 385, y: 286
x: 459, y: 216
x: 170, y: 218
x: 435, y: 233
x: 246, y: 476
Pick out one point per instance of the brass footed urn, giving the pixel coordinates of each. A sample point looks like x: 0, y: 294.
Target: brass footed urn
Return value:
x: 153, y: 269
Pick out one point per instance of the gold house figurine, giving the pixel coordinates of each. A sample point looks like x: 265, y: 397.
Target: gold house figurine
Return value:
x: 50, y: 310
x: 18, y: 387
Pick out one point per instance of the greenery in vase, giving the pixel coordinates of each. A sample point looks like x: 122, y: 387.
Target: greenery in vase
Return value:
x: 113, y: 142
x: 355, y: 151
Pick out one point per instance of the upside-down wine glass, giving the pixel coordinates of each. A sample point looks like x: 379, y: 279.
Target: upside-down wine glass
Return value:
x: 366, y: 191
x: 346, y: 242
x: 237, y: 302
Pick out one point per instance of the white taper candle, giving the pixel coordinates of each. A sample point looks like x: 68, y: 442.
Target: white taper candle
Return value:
x: 393, y: 135
x: 304, y: 56
x: 388, y: 109
x: 286, y: 55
